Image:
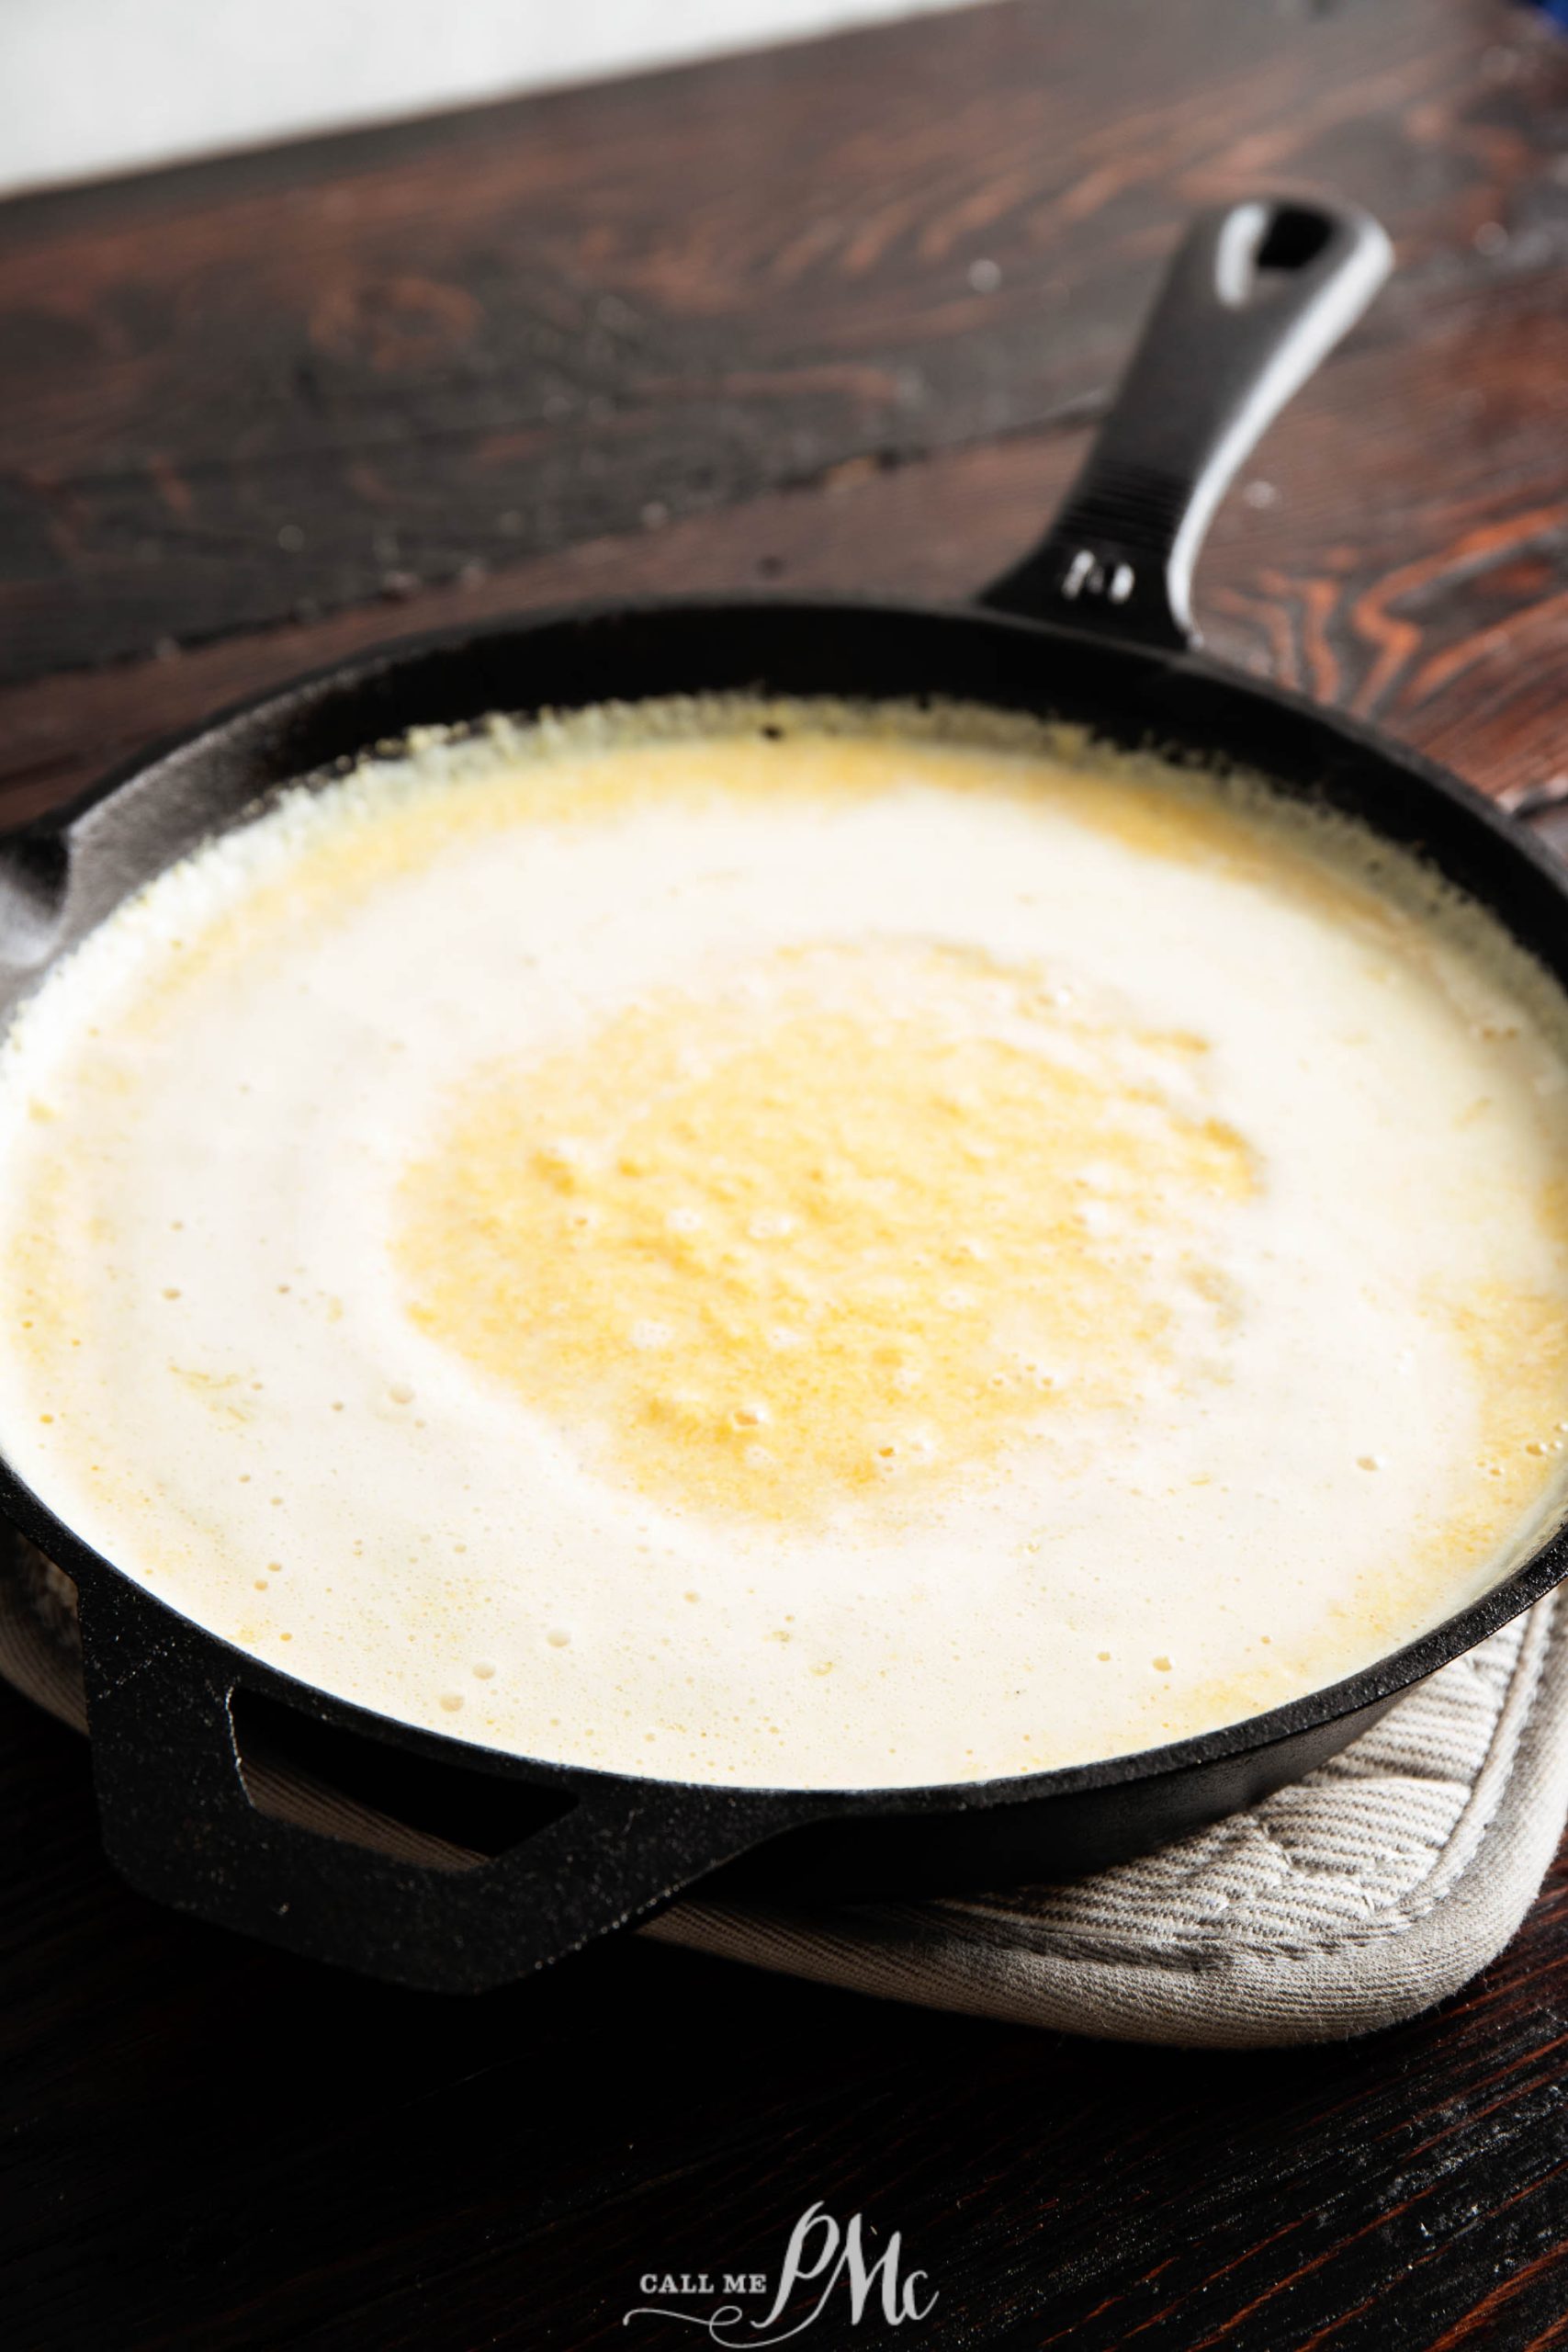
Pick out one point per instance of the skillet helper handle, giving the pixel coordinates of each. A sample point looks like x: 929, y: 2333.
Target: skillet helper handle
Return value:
x: 1258, y: 292
x: 178, y: 1821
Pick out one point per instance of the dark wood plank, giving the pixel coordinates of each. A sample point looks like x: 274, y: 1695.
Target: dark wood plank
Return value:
x: 1399, y: 546
x: 266, y: 386
x: 210, y: 2146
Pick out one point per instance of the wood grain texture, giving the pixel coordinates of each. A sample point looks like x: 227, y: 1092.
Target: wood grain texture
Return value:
x: 270, y: 386
x: 725, y: 327
x: 210, y: 2146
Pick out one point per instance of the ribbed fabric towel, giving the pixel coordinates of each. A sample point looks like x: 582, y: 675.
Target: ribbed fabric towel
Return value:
x: 1358, y: 1896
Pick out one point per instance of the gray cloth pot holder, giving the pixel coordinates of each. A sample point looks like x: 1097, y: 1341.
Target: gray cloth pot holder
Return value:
x: 1361, y: 1894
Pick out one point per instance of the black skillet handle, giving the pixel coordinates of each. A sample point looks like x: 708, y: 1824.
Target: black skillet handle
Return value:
x: 179, y: 1823
x: 1258, y: 293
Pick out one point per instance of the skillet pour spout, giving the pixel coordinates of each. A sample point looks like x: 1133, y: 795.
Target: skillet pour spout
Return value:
x: 230, y: 1790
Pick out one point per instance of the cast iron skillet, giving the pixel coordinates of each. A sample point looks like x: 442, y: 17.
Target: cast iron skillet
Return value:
x: 1094, y: 626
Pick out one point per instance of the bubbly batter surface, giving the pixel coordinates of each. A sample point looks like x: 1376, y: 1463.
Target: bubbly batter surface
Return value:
x: 793, y: 1245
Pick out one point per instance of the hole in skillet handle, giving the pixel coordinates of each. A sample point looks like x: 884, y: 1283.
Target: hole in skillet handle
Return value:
x: 324, y: 1777
x: 1295, y: 235
x: 212, y: 1799
x: 1258, y: 292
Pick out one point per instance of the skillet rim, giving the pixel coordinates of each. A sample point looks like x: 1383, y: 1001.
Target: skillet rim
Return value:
x: 1371, y: 1687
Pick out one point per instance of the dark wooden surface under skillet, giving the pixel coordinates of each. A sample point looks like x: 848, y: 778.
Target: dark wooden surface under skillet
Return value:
x: 836, y: 315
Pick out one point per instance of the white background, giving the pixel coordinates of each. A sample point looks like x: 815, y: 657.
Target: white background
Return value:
x: 93, y: 86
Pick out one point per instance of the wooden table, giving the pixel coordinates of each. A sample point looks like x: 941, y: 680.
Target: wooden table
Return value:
x: 837, y: 315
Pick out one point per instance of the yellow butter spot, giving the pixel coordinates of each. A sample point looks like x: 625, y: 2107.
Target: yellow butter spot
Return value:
x: 850, y: 1217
